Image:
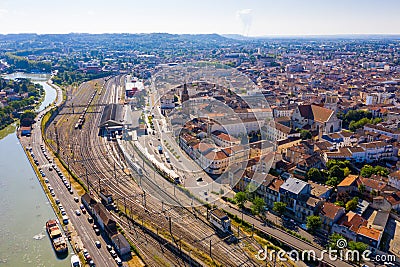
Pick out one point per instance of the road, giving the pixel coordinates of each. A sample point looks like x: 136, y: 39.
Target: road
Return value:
x: 78, y: 224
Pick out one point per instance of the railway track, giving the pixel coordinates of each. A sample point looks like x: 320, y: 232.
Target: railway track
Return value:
x: 97, y: 169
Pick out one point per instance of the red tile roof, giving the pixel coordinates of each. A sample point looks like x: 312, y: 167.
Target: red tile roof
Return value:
x: 353, y: 221
x: 330, y: 210
x: 348, y: 181
x: 369, y: 232
x: 373, y: 184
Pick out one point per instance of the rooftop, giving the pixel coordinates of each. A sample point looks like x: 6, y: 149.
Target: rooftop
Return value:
x: 294, y: 185
x: 112, y: 114
x: 353, y: 221
x: 348, y: 181
x: 369, y: 232
x: 330, y: 210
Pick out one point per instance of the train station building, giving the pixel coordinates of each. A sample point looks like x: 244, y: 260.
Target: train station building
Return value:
x: 112, y: 120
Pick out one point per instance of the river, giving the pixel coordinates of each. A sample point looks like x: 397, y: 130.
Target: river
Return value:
x: 24, y: 208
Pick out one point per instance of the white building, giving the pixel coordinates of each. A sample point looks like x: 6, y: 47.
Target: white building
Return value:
x: 394, y: 180
x: 377, y: 150
x: 277, y: 131
x: 366, y: 152
x: 395, y: 134
x: 317, y: 118
x: 223, y: 139
x: 167, y: 101
x: 282, y: 112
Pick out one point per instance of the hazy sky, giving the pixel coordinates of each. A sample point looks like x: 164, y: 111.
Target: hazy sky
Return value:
x: 247, y: 17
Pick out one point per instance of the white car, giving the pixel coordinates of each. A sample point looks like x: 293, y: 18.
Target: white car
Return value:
x: 78, y: 212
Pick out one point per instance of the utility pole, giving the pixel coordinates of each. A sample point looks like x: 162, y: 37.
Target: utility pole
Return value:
x: 125, y: 205
x: 115, y: 174
x: 170, y: 225
x: 87, y: 179
x: 210, y: 248
x: 144, y: 199
x: 99, y: 186
x: 69, y: 176
x: 57, y: 141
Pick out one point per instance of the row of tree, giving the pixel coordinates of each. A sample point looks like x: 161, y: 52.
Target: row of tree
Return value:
x: 257, y: 206
x: 368, y: 170
x: 356, y: 119
x: 9, y: 113
x: 19, y: 62
x: 13, y: 109
x: 76, y: 76
x: 20, y: 86
x: 335, y: 173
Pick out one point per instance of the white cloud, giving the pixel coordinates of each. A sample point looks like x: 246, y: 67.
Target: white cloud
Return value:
x: 246, y: 17
x: 3, y: 11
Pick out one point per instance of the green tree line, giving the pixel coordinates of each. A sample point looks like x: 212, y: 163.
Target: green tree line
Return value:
x: 19, y: 86
x: 19, y: 62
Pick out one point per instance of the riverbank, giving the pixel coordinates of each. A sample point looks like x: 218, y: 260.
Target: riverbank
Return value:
x: 45, y: 98
x: 8, y: 130
x: 24, y: 208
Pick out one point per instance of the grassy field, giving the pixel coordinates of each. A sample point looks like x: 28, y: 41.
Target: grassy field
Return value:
x: 8, y: 130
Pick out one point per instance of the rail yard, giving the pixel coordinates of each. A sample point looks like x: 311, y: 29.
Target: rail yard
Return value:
x: 165, y: 234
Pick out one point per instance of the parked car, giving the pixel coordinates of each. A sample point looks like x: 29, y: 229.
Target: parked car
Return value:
x: 97, y: 231
x: 303, y: 226
x: 113, y: 253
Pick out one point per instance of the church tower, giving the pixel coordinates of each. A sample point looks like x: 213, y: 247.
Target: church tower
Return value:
x: 185, y: 94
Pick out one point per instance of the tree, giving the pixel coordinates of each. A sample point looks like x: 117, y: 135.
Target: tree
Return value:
x: 361, y: 188
x: 305, y: 134
x: 250, y: 189
x: 258, y: 205
x: 357, y: 246
x: 313, y: 223
x: 27, y: 118
x: 352, y: 204
x: 346, y: 171
x: 336, y: 171
x: 332, y: 181
x: 367, y: 171
x: 340, y: 163
x: 241, y: 199
x: 279, y: 207
x: 339, y: 203
x: 382, y: 171
x: 333, y: 239
x: 314, y: 175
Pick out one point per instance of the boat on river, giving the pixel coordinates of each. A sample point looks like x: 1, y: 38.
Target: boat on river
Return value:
x: 57, y: 238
